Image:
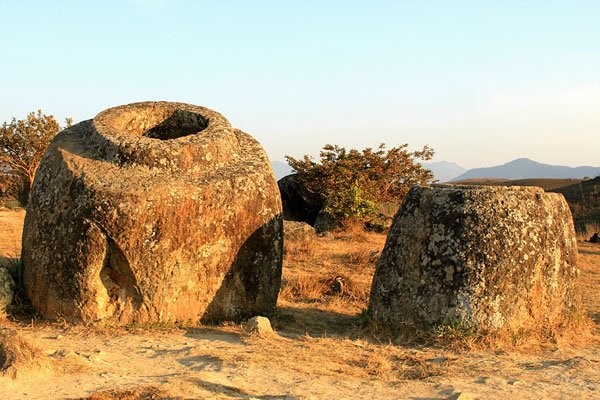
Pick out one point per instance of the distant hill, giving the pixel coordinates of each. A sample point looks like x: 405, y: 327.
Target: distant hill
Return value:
x: 281, y: 169
x: 524, y: 168
x: 444, y: 171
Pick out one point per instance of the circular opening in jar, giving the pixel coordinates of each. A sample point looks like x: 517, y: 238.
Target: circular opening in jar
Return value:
x: 161, y: 123
x: 180, y: 123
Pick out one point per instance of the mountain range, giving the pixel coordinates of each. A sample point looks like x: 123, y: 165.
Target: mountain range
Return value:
x: 521, y: 168
x: 444, y: 171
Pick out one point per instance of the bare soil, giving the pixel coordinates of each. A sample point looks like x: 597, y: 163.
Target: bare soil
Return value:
x: 324, y: 349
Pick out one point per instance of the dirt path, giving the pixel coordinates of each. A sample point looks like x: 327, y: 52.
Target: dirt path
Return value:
x: 220, y: 363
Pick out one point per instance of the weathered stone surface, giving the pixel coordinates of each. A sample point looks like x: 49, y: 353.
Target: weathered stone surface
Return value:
x: 259, y: 326
x: 295, y: 230
x: 153, y: 212
x: 7, y: 288
x: 325, y: 222
x: 299, y: 203
x: 483, y: 257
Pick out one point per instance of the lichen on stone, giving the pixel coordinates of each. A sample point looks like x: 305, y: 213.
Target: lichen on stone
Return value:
x: 153, y: 211
x: 484, y: 257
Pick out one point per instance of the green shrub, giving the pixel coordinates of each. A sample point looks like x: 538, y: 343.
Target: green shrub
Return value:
x: 353, y: 182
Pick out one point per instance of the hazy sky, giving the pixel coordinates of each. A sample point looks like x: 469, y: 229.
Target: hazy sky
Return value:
x: 482, y: 82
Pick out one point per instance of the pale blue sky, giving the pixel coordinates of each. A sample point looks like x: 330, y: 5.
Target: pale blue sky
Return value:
x: 482, y: 82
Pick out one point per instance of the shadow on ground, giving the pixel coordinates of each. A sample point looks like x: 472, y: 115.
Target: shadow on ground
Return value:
x: 298, y: 321
x: 202, y: 363
x: 237, y: 393
x: 594, y: 252
x: 213, y: 333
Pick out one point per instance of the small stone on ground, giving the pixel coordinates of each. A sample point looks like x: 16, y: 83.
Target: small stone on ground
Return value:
x: 259, y: 326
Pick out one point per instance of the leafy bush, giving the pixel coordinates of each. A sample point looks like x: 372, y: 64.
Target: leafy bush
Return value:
x: 353, y: 182
x: 22, y: 145
x: 10, y: 187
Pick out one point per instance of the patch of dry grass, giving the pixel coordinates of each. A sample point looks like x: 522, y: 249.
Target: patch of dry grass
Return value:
x: 110, y: 328
x: 361, y: 259
x: 574, y: 333
x: 589, y: 279
x: 17, y: 355
x: 11, y: 226
x: 140, y: 393
x: 358, y: 358
x: 302, y: 286
x: 331, y: 271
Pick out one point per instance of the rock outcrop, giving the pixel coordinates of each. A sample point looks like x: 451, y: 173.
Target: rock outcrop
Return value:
x: 299, y: 203
x: 153, y: 211
x: 478, y: 257
x: 298, y: 231
x: 259, y: 327
x: 325, y: 222
x: 7, y: 289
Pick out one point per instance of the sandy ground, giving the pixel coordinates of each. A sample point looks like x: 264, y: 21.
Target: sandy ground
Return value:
x: 317, y: 355
x: 216, y: 364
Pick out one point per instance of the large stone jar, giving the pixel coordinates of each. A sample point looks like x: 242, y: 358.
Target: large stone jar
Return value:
x: 153, y: 211
x: 477, y: 257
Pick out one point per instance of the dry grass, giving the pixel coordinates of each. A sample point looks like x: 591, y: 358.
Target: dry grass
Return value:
x: 140, y: 393
x: 361, y: 259
x: 311, y: 300
x: 589, y: 278
x: 302, y: 286
x: 336, y: 272
x: 576, y: 332
x: 358, y: 358
x: 11, y: 227
x: 17, y: 355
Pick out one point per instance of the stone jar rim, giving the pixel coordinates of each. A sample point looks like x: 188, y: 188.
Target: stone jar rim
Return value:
x: 161, y: 133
